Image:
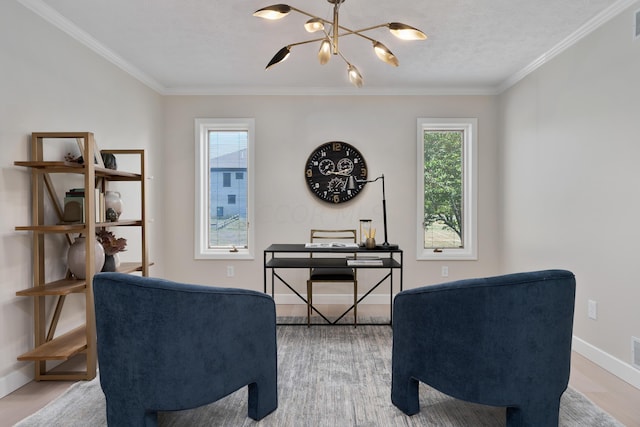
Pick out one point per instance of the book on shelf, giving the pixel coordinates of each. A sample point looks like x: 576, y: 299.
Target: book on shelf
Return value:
x: 75, y: 192
x: 364, y: 260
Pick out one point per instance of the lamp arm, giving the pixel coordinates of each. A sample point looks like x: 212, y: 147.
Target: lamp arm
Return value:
x: 384, y: 212
x: 384, y: 204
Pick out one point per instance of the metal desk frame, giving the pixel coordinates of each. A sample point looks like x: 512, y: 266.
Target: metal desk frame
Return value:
x: 273, y: 262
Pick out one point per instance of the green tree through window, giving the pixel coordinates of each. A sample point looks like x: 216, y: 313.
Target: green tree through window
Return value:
x: 443, y: 202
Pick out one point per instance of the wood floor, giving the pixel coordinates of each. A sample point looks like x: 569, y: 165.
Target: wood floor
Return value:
x: 610, y: 393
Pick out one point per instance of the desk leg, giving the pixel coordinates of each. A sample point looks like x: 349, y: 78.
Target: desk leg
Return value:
x: 273, y: 273
x: 391, y: 295
x: 264, y: 273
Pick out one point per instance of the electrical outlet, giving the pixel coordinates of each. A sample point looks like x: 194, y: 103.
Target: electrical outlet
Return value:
x: 445, y: 271
x: 592, y: 309
x: 230, y: 271
x: 635, y: 352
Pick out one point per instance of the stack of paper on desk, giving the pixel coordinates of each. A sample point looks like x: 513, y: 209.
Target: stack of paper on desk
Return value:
x: 365, y: 260
x: 331, y: 245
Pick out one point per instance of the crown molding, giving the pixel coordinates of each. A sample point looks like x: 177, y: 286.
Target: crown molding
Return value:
x: 586, y: 29
x: 331, y: 91
x: 53, y: 17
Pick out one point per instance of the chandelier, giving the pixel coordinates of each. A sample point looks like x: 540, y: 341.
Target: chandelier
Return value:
x: 332, y: 31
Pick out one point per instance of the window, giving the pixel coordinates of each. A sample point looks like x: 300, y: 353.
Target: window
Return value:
x: 447, y: 189
x: 224, y: 206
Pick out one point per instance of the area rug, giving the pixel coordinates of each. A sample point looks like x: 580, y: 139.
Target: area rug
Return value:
x: 331, y: 376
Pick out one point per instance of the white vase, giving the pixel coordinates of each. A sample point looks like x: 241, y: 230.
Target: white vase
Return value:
x: 113, y: 200
x: 77, y: 255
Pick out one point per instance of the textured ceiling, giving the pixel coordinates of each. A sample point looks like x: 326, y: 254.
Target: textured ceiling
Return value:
x: 209, y: 46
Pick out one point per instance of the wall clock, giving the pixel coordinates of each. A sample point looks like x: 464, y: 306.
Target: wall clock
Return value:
x: 329, y: 168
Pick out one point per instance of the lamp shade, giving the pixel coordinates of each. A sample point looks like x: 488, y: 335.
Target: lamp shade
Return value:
x: 324, y: 54
x: 276, y: 11
x: 313, y: 25
x: 406, y: 32
x: 385, y: 54
x: 354, y: 76
x: 280, y: 56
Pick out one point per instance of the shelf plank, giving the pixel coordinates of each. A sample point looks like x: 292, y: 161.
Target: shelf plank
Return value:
x: 59, y: 287
x: 73, y: 167
x: 130, y: 267
x: 70, y: 286
x: 55, y: 165
x: 53, y: 228
x: 76, y: 227
x: 121, y: 222
x: 59, y: 348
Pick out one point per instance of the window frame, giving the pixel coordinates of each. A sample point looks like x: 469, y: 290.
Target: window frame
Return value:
x: 201, y: 224
x: 470, y: 189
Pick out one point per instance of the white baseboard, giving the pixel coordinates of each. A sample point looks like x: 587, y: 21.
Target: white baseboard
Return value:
x: 606, y: 361
x: 16, y: 379
x: 290, y: 298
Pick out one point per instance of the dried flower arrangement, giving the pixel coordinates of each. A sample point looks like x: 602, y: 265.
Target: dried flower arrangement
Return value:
x: 110, y: 242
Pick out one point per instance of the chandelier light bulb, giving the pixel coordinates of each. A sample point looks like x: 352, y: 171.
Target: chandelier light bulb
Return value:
x: 406, y: 32
x: 385, y: 54
x: 354, y: 76
x: 324, y: 54
x: 313, y: 25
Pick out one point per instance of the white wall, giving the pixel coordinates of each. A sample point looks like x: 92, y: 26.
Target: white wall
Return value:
x: 49, y: 82
x: 288, y: 128
x: 569, y: 183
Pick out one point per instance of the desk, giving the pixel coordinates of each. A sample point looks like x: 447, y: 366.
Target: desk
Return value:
x: 297, y: 256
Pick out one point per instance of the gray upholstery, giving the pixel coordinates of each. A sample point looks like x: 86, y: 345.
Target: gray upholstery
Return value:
x: 165, y: 346
x: 500, y: 341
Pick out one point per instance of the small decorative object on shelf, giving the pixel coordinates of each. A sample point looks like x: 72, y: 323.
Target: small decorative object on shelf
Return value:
x: 109, y: 161
x: 72, y: 158
x: 77, y: 256
x: 113, y: 204
x: 111, y: 245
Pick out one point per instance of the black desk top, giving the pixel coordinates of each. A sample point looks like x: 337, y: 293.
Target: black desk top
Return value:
x: 300, y: 247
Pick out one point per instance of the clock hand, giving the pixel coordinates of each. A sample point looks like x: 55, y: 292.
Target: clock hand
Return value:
x: 343, y: 173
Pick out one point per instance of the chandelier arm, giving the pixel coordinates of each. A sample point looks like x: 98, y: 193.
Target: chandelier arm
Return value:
x: 343, y: 58
x: 306, y: 41
x: 358, y: 32
x: 348, y: 30
x: 310, y: 15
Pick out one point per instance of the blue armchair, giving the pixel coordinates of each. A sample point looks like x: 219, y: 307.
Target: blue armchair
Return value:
x: 500, y: 341
x: 166, y: 346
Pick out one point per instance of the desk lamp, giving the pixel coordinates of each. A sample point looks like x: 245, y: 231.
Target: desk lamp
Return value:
x: 351, y: 184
